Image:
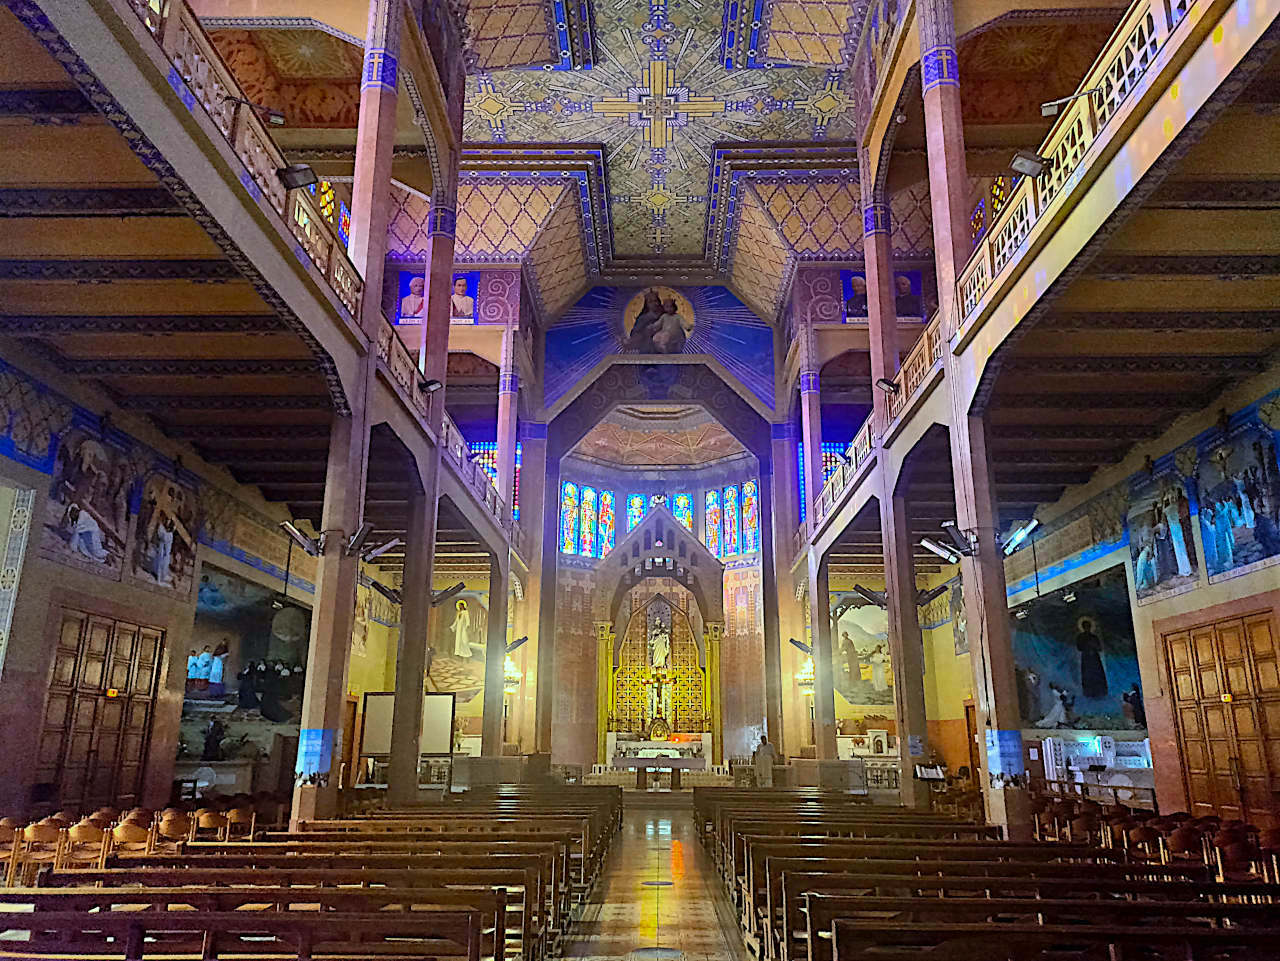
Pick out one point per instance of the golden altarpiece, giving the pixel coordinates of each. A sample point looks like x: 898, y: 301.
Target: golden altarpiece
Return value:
x: 658, y: 689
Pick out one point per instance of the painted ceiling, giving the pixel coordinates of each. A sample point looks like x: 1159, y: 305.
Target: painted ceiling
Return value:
x: 673, y: 82
x: 676, y: 436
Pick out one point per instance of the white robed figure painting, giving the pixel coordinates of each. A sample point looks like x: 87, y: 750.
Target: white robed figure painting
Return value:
x: 461, y: 629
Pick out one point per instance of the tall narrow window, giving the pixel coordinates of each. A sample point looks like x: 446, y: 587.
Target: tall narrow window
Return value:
x: 587, y: 525
x: 683, y: 509
x: 344, y: 222
x: 607, y: 524
x: 804, y: 499
x: 712, y: 517
x: 654, y: 499
x: 635, y: 510
x: 750, y: 517
x: 485, y: 453
x: 569, y: 518
x: 732, y: 521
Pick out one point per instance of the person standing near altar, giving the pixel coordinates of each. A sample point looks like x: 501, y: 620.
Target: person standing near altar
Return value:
x: 762, y: 759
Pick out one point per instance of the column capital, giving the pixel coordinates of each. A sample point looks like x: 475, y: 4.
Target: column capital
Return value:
x: 443, y: 219
x: 380, y: 67
x: 875, y: 219
x: 808, y: 381
x: 509, y: 382
x: 939, y: 67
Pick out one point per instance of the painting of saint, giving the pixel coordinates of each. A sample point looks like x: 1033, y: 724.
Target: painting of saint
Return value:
x: 458, y: 642
x: 657, y: 321
x: 413, y: 300
x: 863, y: 664
x: 1160, y: 537
x: 164, y: 545
x: 1240, y: 503
x: 462, y: 300
x: 87, y: 511
x: 854, y: 285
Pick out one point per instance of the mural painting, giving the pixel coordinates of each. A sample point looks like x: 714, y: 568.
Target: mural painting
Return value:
x: 864, y: 669
x: 87, y: 513
x: 411, y: 294
x: 1076, y: 659
x: 245, y: 670
x: 908, y: 292
x: 959, y: 619
x: 1239, y: 495
x: 657, y: 321
x: 165, y: 535
x: 1161, y: 543
x: 459, y: 634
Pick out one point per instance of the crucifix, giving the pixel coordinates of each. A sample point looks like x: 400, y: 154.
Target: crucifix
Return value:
x: 658, y: 703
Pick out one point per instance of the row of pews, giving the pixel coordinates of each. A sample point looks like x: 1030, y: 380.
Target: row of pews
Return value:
x: 822, y: 876
x: 493, y: 875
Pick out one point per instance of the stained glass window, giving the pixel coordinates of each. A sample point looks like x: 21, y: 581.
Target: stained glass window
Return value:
x: 635, y: 510
x: 654, y: 501
x: 750, y: 517
x: 712, y: 517
x: 683, y: 509
x: 485, y: 453
x: 569, y: 518
x: 587, y: 524
x: 323, y: 192
x: 344, y: 222
x: 606, y: 525
x: 732, y: 520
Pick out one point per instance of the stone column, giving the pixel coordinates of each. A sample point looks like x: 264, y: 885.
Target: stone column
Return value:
x: 824, y: 690
x: 375, y: 145
x: 785, y: 492
x: 548, y: 550
x: 332, y: 617
x: 769, y: 603
x: 533, y: 479
x: 508, y: 395
x: 882, y: 319
x: 810, y: 419
x: 986, y: 606
x: 906, y: 645
x: 433, y: 352
x: 411, y: 653
x: 495, y: 656
x: 713, y: 633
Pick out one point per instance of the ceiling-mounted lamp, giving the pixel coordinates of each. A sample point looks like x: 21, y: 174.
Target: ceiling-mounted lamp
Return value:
x: 962, y: 541
x: 925, y: 597
x: 886, y: 385
x: 946, y: 553
x: 1015, y: 539
x: 801, y: 646
x: 878, y: 598
x: 439, y: 597
x: 356, y: 540
x: 296, y: 176
x: 390, y: 593
x: 379, y: 551
x: 1052, y: 108
x: 312, y: 545
x: 1028, y: 163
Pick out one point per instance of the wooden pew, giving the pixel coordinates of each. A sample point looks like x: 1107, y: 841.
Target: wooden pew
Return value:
x: 522, y: 917
x: 791, y: 930
x: 943, y: 941
x: 822, y: 911
x: 131, y: 935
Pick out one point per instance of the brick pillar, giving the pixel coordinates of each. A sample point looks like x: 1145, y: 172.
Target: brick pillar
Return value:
x: 433, y: 350
x: 786, y: 487
x: 810, y: 418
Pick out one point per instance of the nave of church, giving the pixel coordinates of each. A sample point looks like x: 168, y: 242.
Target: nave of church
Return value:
x: 500, y: 448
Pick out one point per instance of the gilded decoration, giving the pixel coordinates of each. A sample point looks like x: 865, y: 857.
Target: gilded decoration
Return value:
x: 658, y: 678
x: 761, y: 257
x: 659, y: 98
x: 510, y: 33
x: 808, y: 31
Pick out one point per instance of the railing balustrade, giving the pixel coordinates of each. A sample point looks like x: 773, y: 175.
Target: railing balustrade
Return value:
x: 926, y: 352
x: 197, y: 62
x: 1115, y: 74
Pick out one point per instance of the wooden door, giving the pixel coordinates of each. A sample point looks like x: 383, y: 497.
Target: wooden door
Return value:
x: 97, y: 718
x: 1226, y: 694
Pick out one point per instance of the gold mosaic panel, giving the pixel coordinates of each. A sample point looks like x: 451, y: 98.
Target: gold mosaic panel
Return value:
x: 509, y: 33
x: 630, y: 693
x: 808, y: 32
x: 760, y: 257
x: 502, y: 219
x: 816, y: 217
x: 557, y: 257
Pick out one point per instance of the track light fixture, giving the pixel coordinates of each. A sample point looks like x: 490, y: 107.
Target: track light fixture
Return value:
x: 962, y: 541
x: 356, y: 540
x: 430, y: 386
x: 379, y: 551
x: 946, y: 553
x: 1029, y: 163
x: 296, y: 176
x: 801, y: 646
x: 439, y: 597
x: 925, y: 597
x: 312, y: 545
x: 1052, y: 108
x: 390, y: 593
x: 886, y: 385
x: 272, y: 116
x: 1014, y: 541
x: 876, y: 598
x: 518, y: 642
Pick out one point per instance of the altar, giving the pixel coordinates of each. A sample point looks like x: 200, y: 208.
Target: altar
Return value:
x: 643, y: 765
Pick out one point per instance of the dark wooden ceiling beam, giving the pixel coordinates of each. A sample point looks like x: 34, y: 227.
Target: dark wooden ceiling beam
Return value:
x: 188, y: 367
x: 80, y: 270
x: 1224, y: 266
x: 1200, y: 365
x: 1107, y: 400
x: 42, y: 325
x: 83, y: 203
x: 1172, y: 319
x: 1091, y: 434
x: 264, y: 402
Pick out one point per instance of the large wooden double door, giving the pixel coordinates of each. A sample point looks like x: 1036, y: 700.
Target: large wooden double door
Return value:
x: 97, y: 719
x: 1226, y: 693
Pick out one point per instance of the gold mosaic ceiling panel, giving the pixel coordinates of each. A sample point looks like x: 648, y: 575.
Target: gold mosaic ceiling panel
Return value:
x: 509, y: 33
x: 808, y: 31
x: 557, y: 257
x: 627, y: 446
x: 502, y: 219
x: 760, y: 257
x: 816, y: 217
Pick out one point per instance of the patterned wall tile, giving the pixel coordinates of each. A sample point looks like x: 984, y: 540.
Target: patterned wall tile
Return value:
x: 808, y: 32
x: 510, y: 33
x: 557, y: 258
x: 816, y: 216
x: 761, y: 257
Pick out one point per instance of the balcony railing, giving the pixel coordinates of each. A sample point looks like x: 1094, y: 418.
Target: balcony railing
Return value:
x: 455, y: 447
x: 915, y: 369
x: 1114, y: 76
x: 197, y: 62
x: 855, y: 455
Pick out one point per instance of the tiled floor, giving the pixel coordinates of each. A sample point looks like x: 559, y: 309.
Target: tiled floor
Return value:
x: 690, y: 916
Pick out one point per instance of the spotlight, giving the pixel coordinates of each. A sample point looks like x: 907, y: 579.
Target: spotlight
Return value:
x: 878, y: 598
x: 900, y: 117
x: 1021, y: 615
x: 1052, y: 108
x: 312, y: 545
x: 389, y: 593
x: 295, y: 176
x: 961, y: 540
x: 518, y: 642
x: 924, y: 597
x: 1069, y: 596
x: 1029, y: 163
x: 946, y: 553
x: 1017, y: 537
x: 356, y: 540
x: 886, y: 385
x: 801, y: 646
x: 272, y: 116
x: 439, y: 597
x: 430, y: 386
x: 379, y: 551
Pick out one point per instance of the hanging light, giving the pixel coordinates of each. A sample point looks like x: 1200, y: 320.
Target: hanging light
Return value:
x: 511, y: 676
x: 806, y: 677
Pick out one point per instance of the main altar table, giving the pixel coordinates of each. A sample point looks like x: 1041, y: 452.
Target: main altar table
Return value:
x: 673, y: 764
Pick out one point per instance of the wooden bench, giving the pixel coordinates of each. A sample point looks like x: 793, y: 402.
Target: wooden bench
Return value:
x: 943, y: 941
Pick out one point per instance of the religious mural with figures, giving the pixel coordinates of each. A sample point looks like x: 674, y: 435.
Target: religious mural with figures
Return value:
x: 659, y: 320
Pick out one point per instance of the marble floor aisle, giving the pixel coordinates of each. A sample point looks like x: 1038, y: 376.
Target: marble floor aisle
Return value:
x: 659, y: 891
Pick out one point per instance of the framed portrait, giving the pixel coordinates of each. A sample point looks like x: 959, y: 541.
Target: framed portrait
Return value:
x: 463, y: 298
x: 853, y: 294
x: 411, y: 294
x: 908, y: 295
